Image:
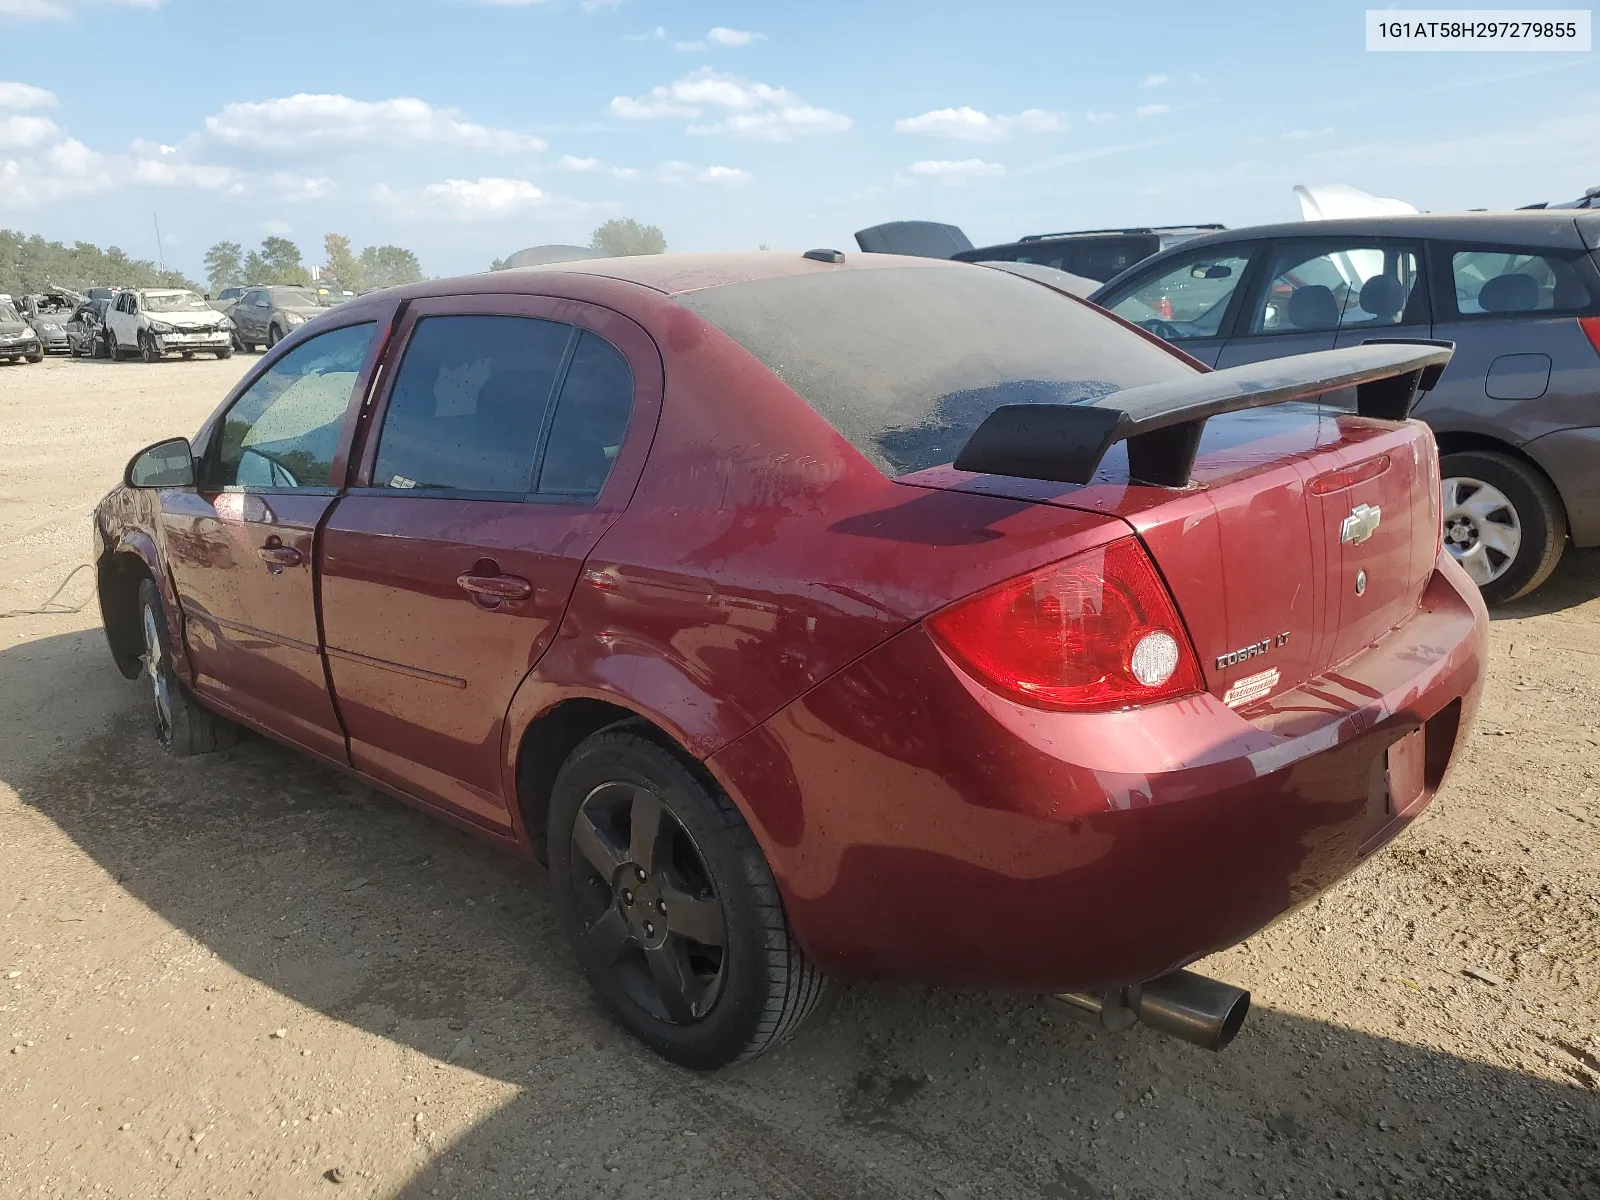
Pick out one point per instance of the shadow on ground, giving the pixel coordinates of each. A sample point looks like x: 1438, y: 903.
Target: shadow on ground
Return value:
x: 356, y: 906
x: 1575, y: 581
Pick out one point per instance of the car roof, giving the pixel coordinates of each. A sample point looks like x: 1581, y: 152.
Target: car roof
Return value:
x: 677, y: 274
x: 1541, y: 227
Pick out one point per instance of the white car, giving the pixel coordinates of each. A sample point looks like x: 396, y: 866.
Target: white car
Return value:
x: 155, y: 322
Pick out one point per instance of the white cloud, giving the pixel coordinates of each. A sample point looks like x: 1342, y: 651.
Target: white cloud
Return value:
x: 1152, y: 110
x: 1152, y: 81
x: 658, y: 34
x: 748, y: 109
x: 597, y: 5
x: 731, y: 175
x: 721, y: 35
x: 1099, y: 118
x: 22, y: 133
x: 55, y: 10
x: 277, y: 228
x: 25, y: 95
x: 625, y: 172
x: 968, y: 124
x: 571, y: 162
x: 1295, y: 135
x: 307, y: 123
x: 487, y: 198
x: 956, y: 171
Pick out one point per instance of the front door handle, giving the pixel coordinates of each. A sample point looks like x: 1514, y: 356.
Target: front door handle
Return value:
x: 495, y: 587
x: 280, y: 556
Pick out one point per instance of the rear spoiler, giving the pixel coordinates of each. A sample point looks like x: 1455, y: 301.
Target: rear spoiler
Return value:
x: 1162, y: 422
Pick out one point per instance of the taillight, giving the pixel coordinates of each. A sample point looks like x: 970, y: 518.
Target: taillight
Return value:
x: 1093, y: 632
x: 1591, y: 328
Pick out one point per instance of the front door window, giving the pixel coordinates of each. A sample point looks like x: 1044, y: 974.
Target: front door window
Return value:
x: 1186, y: 301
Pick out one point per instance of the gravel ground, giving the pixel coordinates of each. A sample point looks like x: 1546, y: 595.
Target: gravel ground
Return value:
x: 246, y: 975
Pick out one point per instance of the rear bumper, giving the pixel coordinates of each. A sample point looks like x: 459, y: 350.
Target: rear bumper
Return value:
x: 923, y: 828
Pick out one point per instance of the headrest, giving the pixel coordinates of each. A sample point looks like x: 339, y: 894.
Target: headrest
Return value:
x: 1509, y: 293
x: 1383, y: 296
x: 1313, y: 307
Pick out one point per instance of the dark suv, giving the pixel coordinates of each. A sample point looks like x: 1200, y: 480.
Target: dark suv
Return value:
x: 1099, y: 254
x: 1517, y: 412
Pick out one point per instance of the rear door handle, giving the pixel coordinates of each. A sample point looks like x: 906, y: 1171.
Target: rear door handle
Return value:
x: 280, y: 556
x: 496, y: 587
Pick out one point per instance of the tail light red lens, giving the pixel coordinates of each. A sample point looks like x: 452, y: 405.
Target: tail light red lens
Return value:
x: 1591, y: 329
x: 1094, y: 632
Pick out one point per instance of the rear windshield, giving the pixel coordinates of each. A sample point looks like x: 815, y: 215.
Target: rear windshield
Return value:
x: 907, y: 362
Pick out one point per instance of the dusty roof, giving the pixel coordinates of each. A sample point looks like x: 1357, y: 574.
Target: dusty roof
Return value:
x: 678, y: 273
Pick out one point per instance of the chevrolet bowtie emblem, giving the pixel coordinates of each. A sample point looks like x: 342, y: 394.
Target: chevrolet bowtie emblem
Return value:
x: 1361, y: 524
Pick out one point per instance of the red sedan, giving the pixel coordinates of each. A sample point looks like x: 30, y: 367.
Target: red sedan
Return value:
x: 879, y: 617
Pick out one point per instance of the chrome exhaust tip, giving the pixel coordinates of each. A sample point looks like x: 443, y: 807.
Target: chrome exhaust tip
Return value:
x: 1200, y: 1011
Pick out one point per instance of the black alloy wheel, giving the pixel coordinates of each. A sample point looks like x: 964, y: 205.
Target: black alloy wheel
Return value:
x: 653, y: 919
x: 669, y: 905
x: 147, y: 348
x: 274, y: 336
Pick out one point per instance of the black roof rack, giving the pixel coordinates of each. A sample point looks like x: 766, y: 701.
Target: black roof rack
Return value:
x: 1039, y: 237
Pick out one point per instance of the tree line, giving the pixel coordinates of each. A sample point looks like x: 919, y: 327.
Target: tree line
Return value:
x: 279, y: 261
x: 30, y: 264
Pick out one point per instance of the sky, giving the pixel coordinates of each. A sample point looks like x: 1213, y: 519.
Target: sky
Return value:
x: 467, y: 129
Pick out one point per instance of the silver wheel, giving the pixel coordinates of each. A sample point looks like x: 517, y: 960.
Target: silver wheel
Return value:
x: 1482, y: 530
x: 153, y: 667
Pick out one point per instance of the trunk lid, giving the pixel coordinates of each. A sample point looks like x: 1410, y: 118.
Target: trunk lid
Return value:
x: 1289, y: 504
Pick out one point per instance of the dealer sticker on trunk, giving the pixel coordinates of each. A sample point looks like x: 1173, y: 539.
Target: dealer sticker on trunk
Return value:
x: 1251, y: 687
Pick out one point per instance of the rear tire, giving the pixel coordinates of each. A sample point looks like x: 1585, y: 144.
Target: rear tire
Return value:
x: 182, y: 725
x: 706, y: 873
x: 1503, y: 522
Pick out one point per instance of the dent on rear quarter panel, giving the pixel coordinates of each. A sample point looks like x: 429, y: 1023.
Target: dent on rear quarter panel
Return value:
x: 761, y: 553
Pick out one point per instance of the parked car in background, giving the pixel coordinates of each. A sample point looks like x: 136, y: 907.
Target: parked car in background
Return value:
x: 227, y: 298
x: 1098, y: 254
x: 823, y: 614
x: 86, y: 330
x: 1517, y: 413
x: 155, y: 322
x: 18, y: 341
x: 264, y: 316
x: 47, y: 314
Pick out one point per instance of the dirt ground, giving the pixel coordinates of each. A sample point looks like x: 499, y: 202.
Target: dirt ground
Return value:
x: 246, y: 975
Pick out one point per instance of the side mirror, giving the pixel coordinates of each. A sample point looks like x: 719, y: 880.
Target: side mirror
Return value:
x: 167, y: 464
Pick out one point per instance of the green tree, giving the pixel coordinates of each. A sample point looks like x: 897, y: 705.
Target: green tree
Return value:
x: 390, y: 266
x: 281, y: 258
x: 255, y: 268
x: 343, y: 268
x: 498, y: 264
x: 31, y: 264
x: 624, y: 235
x: 224, y: 264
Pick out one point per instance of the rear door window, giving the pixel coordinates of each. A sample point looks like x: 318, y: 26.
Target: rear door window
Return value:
x: 1507, y: 281
x: 1188, y: 299
x: 1320, y: 287
x: 591, y: 419
x: 469, y: 403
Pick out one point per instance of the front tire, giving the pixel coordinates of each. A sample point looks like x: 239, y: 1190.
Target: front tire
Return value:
x: 147, y: 349
x: 670, y: 906
x: 274, y: 336
x: 182, y: 725
x: 1503, y: 522
x: 225, y: 352
x: 36, y: 358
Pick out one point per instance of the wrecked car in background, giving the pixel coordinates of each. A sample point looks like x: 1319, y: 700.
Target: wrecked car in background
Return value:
x: 46, y: 314
x: 155, y: 322
x: 86, y: 330
x: 18, y: 341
